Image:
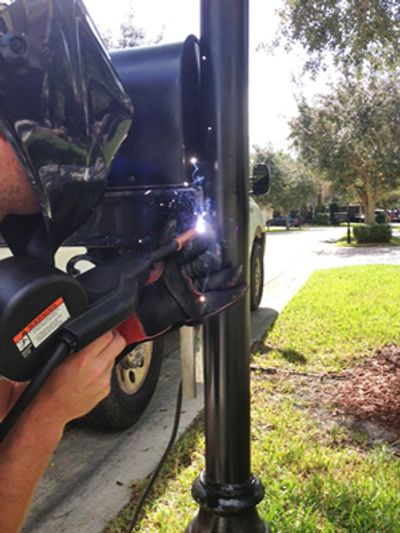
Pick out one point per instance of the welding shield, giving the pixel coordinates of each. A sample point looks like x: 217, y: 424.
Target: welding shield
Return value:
x: 63, y: 109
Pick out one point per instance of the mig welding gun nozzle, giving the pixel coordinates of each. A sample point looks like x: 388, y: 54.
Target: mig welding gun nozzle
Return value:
x: 185, y: 237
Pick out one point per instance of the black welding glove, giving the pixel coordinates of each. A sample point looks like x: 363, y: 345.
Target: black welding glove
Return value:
x: 190, y: 286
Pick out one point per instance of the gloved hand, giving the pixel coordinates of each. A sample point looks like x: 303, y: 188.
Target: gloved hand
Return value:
x: 188, y: 287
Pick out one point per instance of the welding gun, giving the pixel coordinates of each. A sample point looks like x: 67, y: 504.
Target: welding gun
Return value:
x: 45, y: 311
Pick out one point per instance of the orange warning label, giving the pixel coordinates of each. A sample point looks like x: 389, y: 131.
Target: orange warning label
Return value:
x: 41, y: 327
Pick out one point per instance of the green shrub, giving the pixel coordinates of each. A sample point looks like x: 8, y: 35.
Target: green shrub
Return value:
x: 323, y: 219
x: 372, y: 233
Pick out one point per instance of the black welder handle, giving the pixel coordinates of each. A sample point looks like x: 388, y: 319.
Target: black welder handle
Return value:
x: 116, y: 287
x: 117, y: 292
x: 114, y: 290
x: 60, y: 353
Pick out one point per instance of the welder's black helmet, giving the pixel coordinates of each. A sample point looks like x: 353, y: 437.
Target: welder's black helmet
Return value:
x: 62, y: 107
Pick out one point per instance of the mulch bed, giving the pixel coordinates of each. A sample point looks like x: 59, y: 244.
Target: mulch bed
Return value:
x: 371, y: 391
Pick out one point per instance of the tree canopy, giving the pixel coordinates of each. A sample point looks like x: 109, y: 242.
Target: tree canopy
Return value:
x: 351, y: 135
x: 129, y: 34
x: 352, y: 31
x: 293, y: 184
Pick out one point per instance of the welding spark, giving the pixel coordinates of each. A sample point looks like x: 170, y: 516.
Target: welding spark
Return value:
x: 201, y: 225
x: 202, y: 299
x: 195, y: 166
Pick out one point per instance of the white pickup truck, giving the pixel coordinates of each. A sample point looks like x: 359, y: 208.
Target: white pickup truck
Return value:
x: 256, y: 254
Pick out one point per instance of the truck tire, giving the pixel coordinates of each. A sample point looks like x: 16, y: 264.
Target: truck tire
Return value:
x: 256, y: 275
x: 133, y: 382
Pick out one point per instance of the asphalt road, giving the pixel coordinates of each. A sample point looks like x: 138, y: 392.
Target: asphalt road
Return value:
x: 88, y: 479
x: 290, y: 257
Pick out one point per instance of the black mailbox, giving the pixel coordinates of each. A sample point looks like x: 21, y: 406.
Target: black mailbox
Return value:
x: 163, y: 84
x: 151, y: 179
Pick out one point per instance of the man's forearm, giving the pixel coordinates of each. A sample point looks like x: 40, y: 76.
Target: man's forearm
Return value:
x: 24, y: 456
x: 71, y: 391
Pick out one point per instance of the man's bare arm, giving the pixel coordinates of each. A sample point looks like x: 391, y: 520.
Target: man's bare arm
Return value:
x: 72, y: 390
x: 5, y: 393
x: 10, y: 391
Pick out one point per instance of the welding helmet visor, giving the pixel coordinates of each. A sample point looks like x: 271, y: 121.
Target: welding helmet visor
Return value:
x: 62, y: 107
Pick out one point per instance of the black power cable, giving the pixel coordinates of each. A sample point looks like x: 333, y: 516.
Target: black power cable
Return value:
x: 155, y: 473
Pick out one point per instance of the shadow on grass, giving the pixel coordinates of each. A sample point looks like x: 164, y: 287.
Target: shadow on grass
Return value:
x: 264, y: 348
x: 290, y: 355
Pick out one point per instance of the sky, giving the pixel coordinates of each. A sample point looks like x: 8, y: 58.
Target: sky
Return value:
x: 271, y: 86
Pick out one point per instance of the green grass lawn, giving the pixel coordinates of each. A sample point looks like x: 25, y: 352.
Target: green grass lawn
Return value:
x: 352, y: 224
x: 338, y: 316
x: 319, y: 476
x: 279, y: 229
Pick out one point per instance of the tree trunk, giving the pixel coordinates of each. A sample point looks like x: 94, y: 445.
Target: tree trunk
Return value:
x: 369, y: 202
x: 286, y: 214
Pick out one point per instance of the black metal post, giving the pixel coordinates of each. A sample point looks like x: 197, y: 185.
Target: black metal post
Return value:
x: 226, y: 491
x: 348, y: 227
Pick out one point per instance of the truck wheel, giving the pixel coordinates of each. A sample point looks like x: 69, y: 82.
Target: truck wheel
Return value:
x: 256, y: 275
x: 133, y: 382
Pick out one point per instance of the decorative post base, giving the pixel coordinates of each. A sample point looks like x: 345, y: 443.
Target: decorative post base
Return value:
x: 227, y: 508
